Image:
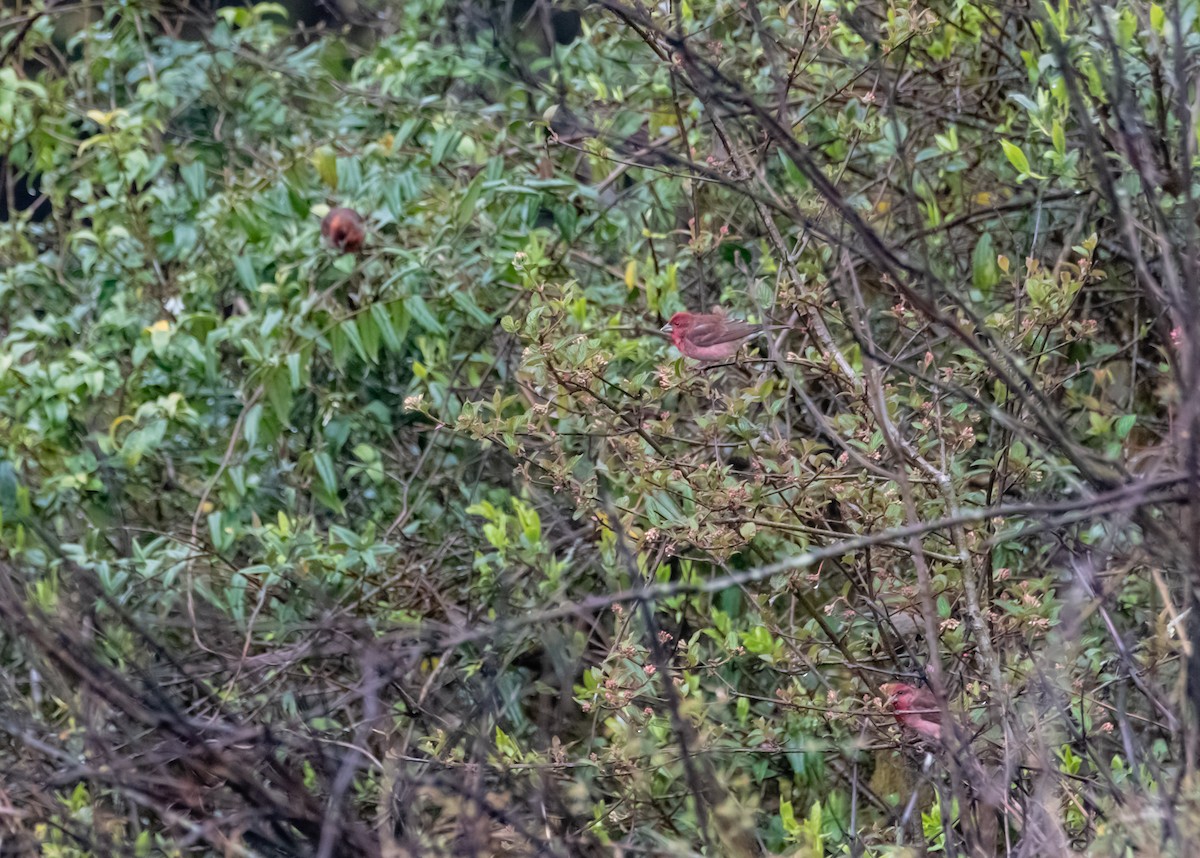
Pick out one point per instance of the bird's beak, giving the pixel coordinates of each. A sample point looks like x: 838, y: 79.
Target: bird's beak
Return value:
x: 666, y: 329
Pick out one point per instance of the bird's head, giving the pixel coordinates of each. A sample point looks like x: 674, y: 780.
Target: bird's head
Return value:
x: 897, y: 692
x: 677, y: 325
x: 679, y: 322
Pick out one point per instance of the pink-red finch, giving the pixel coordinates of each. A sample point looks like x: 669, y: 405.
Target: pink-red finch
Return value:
x: 915, y: 708
x: 708, y: 336
x: 343, y: 228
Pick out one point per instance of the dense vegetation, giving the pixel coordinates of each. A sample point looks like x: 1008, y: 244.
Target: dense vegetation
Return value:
x: 441, y: 548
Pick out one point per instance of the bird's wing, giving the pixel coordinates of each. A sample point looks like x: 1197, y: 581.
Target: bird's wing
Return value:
x: 714, y: 330
x: 925, y: 704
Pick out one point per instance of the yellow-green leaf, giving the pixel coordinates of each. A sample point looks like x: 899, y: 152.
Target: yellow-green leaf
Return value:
x: 1015, y: 156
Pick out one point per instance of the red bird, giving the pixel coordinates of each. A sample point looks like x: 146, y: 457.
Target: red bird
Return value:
x: 343, y: 228
x: 915, y: 708
x: 708, y: 336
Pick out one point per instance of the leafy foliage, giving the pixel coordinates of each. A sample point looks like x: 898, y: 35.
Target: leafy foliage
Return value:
x: 440, y: 549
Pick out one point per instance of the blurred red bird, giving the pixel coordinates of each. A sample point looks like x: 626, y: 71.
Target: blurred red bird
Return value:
x: 708, y: 336
x: 344, y: 229
x: 915, y: 708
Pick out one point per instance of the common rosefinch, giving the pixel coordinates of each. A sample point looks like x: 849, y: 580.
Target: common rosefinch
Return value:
x: 915, y: 708
x: 343, y: 228
x: 708, y: 336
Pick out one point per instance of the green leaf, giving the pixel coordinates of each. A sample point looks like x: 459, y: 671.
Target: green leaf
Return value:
x: 1158, y: 18
x: 323, y: 465
x: 1124, y: 426
x: 419, y: 310
x: 506, y: 746
x: 278, y: 389
x: 759, y: 641
x: 349, y: 329
x: 787, y: 816
x: 405, y: 131
x: 466, y: 206
x: 193, y: 176
x: 1017, y: 158
x: 324, y: 160
x: 295, y: 365
x: 985, y: 274
x: 340, y: 343
x: 464, y: 300
x: 444, y: 141
x: 368, y: 332
x: 244, y: 266
x: 8, y: 487
x: 250, y: 426
x: 220, y: 536
x: 387, y: 328
x: 1058, y: 137
x: 349, y: 176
